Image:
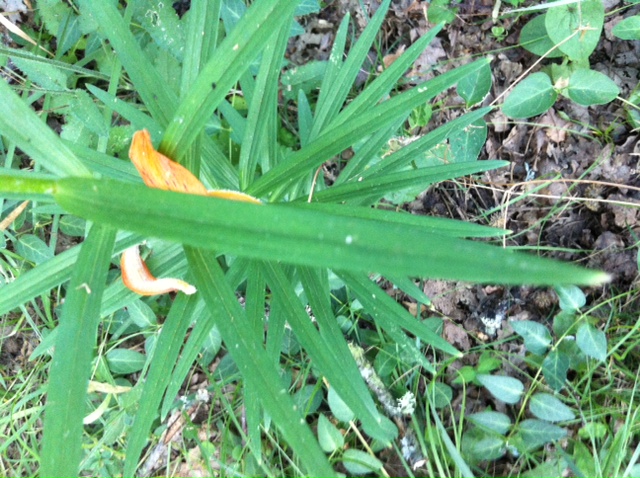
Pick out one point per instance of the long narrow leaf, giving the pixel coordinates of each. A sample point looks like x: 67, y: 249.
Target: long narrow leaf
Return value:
x: 20, y: 124
x: 338, y: 136
x: 263, y: 109
x: 334, y: 91
x: 166, y: 352
x: 71, y: 367
x: 374, y: 188
x: 50, y: 274
x: 387, y: 310
x: 354, y: 393
x: 155, y: 93
x: 217, y: 77
x: 337, y: 365
x: 298, y: 236
x: 253, y: 361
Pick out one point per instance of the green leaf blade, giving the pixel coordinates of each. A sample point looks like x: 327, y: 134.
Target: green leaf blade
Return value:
x: 305, y: 236
x: 589, y: 87
x: 549, y: 408
x: 537, y: 338
x: 71, y: 367
x: 531, y: 97
x: 592, y: 342
x: 506, y: 389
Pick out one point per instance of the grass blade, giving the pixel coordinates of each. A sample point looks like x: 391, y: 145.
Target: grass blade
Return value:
x: 374, y: 188
x: 155, y: 93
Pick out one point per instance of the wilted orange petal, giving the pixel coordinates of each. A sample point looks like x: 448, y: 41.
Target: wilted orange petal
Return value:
x: 160, y: 172
x: 136, y: 276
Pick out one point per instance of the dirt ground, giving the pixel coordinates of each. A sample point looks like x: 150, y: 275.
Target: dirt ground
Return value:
x: 588, y: 213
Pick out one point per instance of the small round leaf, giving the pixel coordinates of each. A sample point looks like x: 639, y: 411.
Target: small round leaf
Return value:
x: 506, y: 389
x: 549, y: 408
x: 360, y: 463
x: 583, y: 20
x: 533, y: 96
x: 588, y: 87
x: 533, y: 37
x: 628, y: 29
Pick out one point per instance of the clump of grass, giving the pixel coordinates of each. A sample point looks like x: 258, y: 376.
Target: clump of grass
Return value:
x: 308, y: 244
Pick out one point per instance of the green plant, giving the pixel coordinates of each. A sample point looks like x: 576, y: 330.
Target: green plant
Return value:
x: 577, y: 340
x: 571, y: 32
x: 306, y: 234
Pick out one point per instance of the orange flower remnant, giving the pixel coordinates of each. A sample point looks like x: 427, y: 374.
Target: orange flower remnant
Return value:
x: 160, y: 172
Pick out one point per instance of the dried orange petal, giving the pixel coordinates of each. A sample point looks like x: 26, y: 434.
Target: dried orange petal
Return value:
x: 136, y: 276
x: 160, y: 172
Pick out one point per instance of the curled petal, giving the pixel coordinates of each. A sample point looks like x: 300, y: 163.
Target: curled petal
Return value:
x: 160, y: 172
x: 233, y: 196
x: 136, y: 276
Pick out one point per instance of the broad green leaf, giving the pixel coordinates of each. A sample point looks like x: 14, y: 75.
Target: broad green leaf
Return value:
x: 466, y: 144
x: 589, y: 87
x: 441, y: 11
x: 72, y: 225
x: 549, y: 408
x: 536, y: 336
x: 628, y: 29
x: 329, y: 436
x: 43, y: 73
x: 71, y: 366
x: 483, y: 446
x: 535, y: 433
x: 592, y: 342
x: 299, y: 236
x: 339, y: 409
x: 440, y: 393
x: 506, y: 389
x: 307, y: 399
x: 125, y: 361
x: 554, y: 368
x: 360, y: 463
x: 474, y: 87
x: 141, y: 314
x: 532, y: 96
x: 533, y: 37
x: 583, y: 20
x: 496, y: 421
x: 571, y: 297
x: 33, y: 249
